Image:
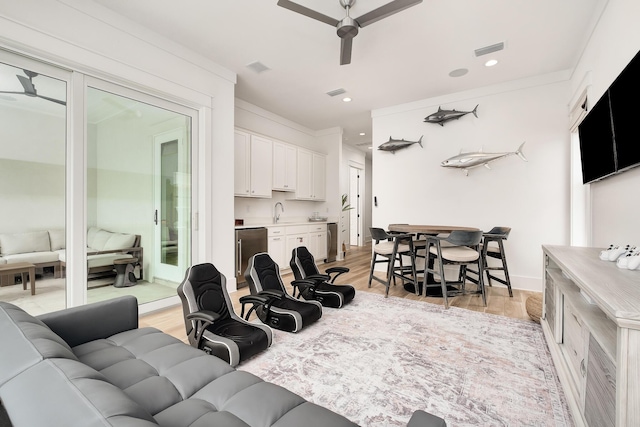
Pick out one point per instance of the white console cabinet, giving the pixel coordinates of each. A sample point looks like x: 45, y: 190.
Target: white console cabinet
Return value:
x: 591, y: 321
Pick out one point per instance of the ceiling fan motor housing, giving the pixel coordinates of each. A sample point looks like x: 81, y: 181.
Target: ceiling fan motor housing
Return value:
x: 347, y: 28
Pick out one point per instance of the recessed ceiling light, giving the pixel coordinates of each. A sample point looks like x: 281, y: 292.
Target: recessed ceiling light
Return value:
x: 347, y: 99
x: 370, y: 147
x: 491, y: 63
x: 362, y: 134
x: 459, y: 72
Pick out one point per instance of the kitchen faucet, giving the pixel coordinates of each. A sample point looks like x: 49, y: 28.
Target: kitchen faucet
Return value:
x: 276, y: 215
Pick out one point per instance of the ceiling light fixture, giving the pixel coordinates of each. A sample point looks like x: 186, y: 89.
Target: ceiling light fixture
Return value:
x: 362, y: 134
x: 347, y: 99
x: 458, y: 72
x: 491, y: 63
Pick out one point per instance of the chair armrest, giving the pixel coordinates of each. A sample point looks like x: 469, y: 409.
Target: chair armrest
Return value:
x: 318, y: 277
x: 306, y: 286
x: 89, y: 322
x: 424, y: 419
x: 337, y: 270
x: 254, y: 299
x: 206, y: 316
x: 272, y: 293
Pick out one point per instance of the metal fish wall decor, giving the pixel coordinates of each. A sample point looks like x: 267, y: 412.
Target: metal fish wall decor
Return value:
x: 442, y: 116
x: 394, y: 145
x: 466, y: 161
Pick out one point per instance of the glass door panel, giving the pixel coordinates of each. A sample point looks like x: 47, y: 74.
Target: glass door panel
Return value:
x: 138, y: 190
x: 33, y: 126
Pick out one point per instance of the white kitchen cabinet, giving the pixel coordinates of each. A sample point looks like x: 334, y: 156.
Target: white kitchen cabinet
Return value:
x: 319, y: 177
x: 285, y: 166
x: 318, y: 241
x: 277, y: 246
x: 253, y: 167
x: 312, y: 176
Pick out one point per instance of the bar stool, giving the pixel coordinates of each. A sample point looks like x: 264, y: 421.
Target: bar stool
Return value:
x: 393, y: 246
x: 462, y: 250
x: 493, y: 247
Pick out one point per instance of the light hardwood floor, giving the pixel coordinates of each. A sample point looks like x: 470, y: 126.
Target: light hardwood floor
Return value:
x: 358, y: 259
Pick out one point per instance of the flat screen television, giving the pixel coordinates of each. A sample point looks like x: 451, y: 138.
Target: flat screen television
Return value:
x: 609, y: 134
x: 597, y: 149
x: 624, y: 94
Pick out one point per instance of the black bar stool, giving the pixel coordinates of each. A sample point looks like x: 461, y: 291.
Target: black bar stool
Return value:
x: 493, y: 247
x: 393, y: 246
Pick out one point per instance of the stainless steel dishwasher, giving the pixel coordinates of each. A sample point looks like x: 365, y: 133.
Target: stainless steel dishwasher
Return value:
x: 249, y: 241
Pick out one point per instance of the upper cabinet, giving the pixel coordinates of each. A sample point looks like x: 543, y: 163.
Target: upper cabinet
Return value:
x: 312, y: 174
x: 285, y: 159
x: 253, y: 168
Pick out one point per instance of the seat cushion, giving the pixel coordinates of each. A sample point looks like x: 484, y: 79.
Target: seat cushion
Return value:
x: 32, y: 257
x: 19, y: 243
x: 386, y: 248
x: 457, y: 253
x: 102, y: 260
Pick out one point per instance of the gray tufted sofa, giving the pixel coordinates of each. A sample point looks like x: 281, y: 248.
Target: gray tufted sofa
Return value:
x: 92, y: 366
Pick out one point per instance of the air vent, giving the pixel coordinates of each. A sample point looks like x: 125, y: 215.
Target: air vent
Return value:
x: 336, y: 92
x: 258, y: 67
x: 489, y: 49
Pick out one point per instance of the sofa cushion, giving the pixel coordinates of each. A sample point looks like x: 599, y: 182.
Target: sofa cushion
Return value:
x: 26, y: 341
x: 63, y: 392
x: 18, y: 243
x: 57, y: 239
x: 2, y: 261
x: 33, y: 257
x: 184, y: 387
x: 103, y: 240
x: 102, y: 260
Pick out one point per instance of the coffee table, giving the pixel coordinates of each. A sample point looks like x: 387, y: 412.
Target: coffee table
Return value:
x: 22, y: 268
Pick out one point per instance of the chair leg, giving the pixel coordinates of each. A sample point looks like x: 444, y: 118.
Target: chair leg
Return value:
x: 503, y: 257
x: 481, y: 281
x: 373, y: 264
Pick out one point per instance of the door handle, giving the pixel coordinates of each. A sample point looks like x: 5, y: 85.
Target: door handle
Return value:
x: 155, y: 217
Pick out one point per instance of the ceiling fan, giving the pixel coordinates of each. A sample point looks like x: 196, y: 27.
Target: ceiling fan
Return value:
x: 30, y: 88
x: 348, y: 26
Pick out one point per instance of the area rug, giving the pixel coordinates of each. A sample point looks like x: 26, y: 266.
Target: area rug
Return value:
x: 377, y: 360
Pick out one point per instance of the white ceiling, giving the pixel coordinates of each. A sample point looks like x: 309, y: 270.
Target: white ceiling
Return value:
x: 405, y: 57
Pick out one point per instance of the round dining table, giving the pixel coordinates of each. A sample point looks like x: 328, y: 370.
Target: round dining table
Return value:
x: 431, y: 230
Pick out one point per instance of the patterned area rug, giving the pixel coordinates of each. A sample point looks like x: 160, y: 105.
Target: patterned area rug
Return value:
x: 377, y: 360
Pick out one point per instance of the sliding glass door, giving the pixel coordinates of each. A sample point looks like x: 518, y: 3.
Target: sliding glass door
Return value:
x: 95, y: 186
x: 33, y: 131
x: 138, y: 184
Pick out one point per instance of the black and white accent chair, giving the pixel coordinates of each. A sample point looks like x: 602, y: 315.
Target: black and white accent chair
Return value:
x: 210, y: 321
x: 271, y: 302
x: 303, y: 266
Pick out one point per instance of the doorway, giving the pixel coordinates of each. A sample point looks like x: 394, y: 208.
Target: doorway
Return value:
x: 355, y: 201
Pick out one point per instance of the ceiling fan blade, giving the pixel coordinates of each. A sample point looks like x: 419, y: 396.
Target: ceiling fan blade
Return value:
x: 308, y: 12
x: 384, y: 11
x: 57, y: 101
x: 345, y: 50
x: 29, y: 88
x: 15, y: 93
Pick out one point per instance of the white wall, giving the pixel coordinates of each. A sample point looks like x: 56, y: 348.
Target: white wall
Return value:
x: 614, y: 201
x: 530, y: 197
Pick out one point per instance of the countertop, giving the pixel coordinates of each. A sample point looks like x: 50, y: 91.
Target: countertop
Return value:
x: 282, y: 223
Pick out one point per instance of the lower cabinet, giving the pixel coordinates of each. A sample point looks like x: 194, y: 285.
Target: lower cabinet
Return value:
x: 284, y: 239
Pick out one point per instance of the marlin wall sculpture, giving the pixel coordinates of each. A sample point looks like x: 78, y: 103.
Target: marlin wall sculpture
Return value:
x: 466, y: 161
x: 394, y: 145
x: 442, y: 116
